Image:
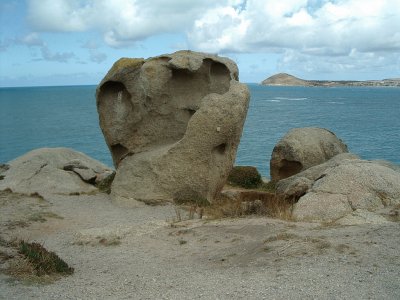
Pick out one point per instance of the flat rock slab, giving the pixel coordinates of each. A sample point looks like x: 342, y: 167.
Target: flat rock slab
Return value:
x: 50, y: 171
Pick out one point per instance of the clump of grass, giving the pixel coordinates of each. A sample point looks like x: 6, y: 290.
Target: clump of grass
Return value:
x: 110, y: 242
x: 283, y: 236
x: 190, y: 197
x: 43, y: 261
x: 245, y: 176
x: 265, y: 204
x: 269, y: 186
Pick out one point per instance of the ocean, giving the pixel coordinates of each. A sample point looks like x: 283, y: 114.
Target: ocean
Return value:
x: 367, y: 119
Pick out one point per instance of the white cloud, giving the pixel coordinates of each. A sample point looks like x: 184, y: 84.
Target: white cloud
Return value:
x: 96, y: 56
x: 334, y: 26
x: 122, y: 22
x: 309, y: 26
x: 32, y: 39
x: 313, y: 34
x: 62, y: 57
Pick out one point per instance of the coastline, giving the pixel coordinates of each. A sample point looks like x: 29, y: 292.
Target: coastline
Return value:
x: 283, y: 79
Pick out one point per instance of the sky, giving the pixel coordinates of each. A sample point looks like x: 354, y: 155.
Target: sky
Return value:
x: 75, y: 42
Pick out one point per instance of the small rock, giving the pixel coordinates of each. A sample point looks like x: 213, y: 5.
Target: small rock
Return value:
x: 87, y: 175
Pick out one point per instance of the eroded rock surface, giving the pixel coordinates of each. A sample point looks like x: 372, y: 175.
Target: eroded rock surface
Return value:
x: 53, y: 171
x: 340, y: 187
x: 173, y: 125
x: 302, y: 148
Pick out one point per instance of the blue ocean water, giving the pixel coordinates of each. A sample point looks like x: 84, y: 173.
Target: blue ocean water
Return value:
x: 367, y: 119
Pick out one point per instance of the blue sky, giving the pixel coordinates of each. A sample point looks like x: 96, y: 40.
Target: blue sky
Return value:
x: 70, y: 42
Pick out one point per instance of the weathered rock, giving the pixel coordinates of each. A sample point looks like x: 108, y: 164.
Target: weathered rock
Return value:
x: 3, y: 169
x: 43, y: 171
x: 104, y: 181
x: 87, y: 175
x: 74, y: 164
x: 172, y: 124
x: 302, y: 148
x: 298, y: 185
x: 360, y: 216
x: 352, y: 184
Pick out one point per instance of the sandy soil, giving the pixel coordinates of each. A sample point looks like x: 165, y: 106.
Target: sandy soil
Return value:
x: 142, y: 253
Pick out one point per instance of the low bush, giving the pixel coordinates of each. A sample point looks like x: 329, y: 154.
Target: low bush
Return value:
x: 245, y: 176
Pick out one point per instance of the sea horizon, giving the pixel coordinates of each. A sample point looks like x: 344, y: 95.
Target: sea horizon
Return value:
x: 365, y: 118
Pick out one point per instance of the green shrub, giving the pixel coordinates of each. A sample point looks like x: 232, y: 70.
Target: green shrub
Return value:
x: 43, y: 261
x: 245, y: 176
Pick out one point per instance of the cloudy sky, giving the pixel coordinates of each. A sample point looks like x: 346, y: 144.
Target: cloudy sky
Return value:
x: 68, y: 42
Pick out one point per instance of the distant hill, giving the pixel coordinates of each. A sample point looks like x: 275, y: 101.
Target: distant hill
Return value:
x: 284, y: 79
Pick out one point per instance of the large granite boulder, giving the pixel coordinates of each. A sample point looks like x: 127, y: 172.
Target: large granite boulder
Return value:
x: 299, y: 184
x: 173, y: 125
x: 53, y: 171
x: 340, y: 187
x: 302, y: 148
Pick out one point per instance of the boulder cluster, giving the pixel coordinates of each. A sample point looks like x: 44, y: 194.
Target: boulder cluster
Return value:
x: 173, y: 125
x: 313, y: 169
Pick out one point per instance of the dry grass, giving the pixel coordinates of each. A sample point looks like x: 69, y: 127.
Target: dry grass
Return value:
x: 265, y: 204
x: 394, y: 213
x: 31, y: 262
x: 250, y: 202
x: 42, y: 260
x: 42, y: 216
x: 283, y: 236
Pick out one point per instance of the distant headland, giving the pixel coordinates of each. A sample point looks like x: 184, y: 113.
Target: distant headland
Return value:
x: 283, y: 79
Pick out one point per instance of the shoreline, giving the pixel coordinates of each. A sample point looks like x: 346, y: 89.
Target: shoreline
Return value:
x: 283, y: 79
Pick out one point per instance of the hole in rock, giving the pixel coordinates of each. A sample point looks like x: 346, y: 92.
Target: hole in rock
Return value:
x: 118, y: 151
x: 219, y: 77
x: 219, y: 70
x: 289, y: 168
x: 191, y: 111
x: 220, y: 149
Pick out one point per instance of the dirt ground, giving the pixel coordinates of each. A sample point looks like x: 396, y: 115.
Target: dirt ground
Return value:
x: 145, y: 253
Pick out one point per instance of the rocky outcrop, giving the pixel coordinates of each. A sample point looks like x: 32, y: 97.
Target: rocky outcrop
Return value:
x: 299, y: 184
x: 53, y: 171
x: 173, y: 125
x: 342, y: 187
x: 302, y: 148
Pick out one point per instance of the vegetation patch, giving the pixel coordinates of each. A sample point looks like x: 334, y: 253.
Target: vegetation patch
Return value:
x: 270, y: 205
x: 269, y: 186
x: 43, y: 262
x: 190, y: 197
x: 245, y: 176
